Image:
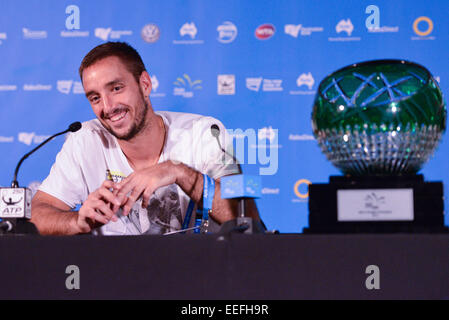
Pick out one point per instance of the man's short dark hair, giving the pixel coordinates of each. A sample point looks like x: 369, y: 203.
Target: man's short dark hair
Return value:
x: 127, y: 54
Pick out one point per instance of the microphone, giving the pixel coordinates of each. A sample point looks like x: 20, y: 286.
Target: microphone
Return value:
x: 15, y: 202
x: 215, y: 131
x: 234, y: 187
x: 72, y: 128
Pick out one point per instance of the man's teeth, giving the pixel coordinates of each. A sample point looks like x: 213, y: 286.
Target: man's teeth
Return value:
x: 118, y: 116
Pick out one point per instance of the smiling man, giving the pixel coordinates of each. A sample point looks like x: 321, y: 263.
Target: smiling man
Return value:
x: 132, y: 170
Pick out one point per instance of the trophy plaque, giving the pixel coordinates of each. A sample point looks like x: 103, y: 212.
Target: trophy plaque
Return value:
x: 378, y: 122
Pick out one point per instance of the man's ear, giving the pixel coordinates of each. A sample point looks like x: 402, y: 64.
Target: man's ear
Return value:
x: 145, y: 83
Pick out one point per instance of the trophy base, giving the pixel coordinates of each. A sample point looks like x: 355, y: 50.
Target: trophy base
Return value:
x: 376, y: 204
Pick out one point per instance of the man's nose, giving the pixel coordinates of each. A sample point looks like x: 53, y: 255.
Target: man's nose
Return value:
x: 108, y: 104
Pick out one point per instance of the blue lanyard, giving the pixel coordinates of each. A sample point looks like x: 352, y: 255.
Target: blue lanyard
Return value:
x: 208, y: 197
x: 189, y: 211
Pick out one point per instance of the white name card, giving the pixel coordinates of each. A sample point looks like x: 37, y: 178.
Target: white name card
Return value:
x: 375, y: 205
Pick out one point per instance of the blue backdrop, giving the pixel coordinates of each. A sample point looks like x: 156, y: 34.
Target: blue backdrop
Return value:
x: 252, y: 64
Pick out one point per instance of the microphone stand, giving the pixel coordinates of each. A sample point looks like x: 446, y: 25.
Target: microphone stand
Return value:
x: 242, y: 224
x: 21, y: 225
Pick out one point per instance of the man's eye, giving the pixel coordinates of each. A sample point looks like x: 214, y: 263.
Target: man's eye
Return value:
x: 117, y: 88
x: 94, y: 99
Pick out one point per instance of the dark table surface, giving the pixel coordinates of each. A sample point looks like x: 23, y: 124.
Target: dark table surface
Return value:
x: 194, y: 267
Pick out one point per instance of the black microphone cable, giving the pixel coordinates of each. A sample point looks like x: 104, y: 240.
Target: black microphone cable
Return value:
x: 72, y: 128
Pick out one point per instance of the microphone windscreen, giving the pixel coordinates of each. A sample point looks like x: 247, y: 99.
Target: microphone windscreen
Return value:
x: 75, y: 126
x: 215, y: 130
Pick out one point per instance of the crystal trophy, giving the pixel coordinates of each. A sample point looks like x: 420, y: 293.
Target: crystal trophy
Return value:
x: 378, y: 122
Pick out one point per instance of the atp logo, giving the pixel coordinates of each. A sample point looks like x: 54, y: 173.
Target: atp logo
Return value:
x: 10, y: 201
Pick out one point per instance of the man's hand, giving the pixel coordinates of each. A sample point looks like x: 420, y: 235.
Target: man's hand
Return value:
x: 143, y: 183
x: 99, y: 208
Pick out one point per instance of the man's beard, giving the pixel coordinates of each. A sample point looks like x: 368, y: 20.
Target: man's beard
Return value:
x: 137, y: 126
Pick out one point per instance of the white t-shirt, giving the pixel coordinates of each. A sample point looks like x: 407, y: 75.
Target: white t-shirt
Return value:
x: 80, y: 168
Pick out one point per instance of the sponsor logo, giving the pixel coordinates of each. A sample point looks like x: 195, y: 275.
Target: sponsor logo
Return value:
x: 423, y: 27
x: 6, y: 139
x: 254, y: 84
x: 295, y: 30
x: 301, y: 190
x: 185, y: 87
x: 304, y: 80
x: 383, y: 29
x: 344, y: 26
x: 347, y: 27
x: 227, y: 32
x: 154, y: 87
x: 301, y: 137
x: 32, y: 34
x: 8, y: 87
x: 31, y: 137
x: 265, y: 31
x: 270, y: 191
x: 72, y: 23
x: 150, y: 33
x: 3, y: 36
x: 226, y: 84
x: 74, y: 34
x: 37, y: 87
x: 188, y: 30
x: 372, y: 22
x: 373, y: 201
x: 103, y: 33
x: 272, y: 85
x: 107, y: 33
x: 67, y: 86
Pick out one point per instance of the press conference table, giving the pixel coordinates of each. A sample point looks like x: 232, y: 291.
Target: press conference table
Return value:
x: 193, y: 267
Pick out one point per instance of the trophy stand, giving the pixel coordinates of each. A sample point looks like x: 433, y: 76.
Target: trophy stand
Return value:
x: 376, y: 204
